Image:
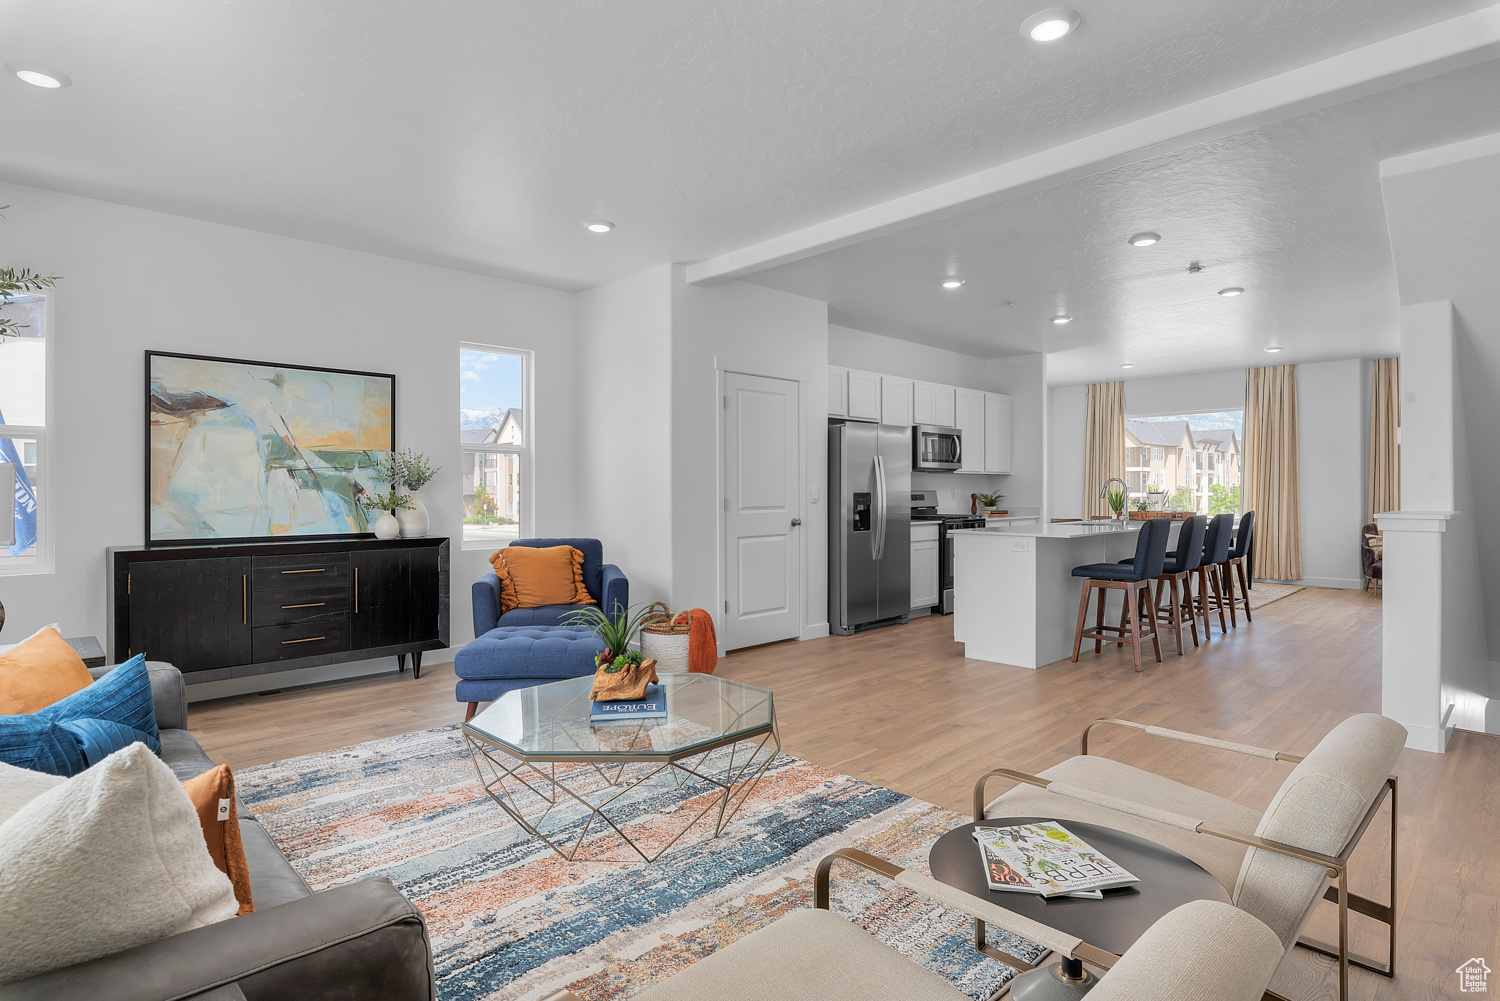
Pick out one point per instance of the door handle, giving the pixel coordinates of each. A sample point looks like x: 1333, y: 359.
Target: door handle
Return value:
x: 880, y: 508
x: 796, y: 522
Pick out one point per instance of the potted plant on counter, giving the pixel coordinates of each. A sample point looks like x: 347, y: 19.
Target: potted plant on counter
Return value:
x: 1116, y: 500
x: 409, y: 470
x: 989, y: 504
x: 386, y: 526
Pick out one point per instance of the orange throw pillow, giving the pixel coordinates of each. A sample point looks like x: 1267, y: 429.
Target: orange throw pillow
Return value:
x: 41, y: 670
x: 532, y: 577
x: 212, y: 794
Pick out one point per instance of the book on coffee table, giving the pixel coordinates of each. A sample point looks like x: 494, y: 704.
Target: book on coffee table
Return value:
x: 1046, y: 859
x: 652, y: 705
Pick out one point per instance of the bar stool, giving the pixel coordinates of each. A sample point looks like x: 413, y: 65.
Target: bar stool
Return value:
x: 1133, y: 578
x: 1215, y: 556
x: 1236, y: 557
x: 1177, y: 572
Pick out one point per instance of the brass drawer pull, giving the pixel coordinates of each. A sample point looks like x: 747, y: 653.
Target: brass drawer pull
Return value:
x: 310, y: 604
x: 314, y: 570
x: 310, y: 639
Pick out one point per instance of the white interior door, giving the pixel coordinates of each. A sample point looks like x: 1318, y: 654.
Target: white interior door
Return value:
x: 762, y: 517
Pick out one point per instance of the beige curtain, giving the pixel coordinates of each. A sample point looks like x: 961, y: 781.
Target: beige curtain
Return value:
x: 1271, y: 484
x: 1104, y: 446
x: 1385, y: 454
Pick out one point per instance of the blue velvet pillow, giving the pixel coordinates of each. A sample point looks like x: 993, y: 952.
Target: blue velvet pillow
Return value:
x: 87, y: 726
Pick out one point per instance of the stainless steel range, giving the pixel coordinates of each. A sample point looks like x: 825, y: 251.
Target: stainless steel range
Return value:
x: 924, y: 507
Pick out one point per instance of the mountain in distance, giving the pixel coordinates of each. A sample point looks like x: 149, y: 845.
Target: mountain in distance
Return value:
x: 470, y: 420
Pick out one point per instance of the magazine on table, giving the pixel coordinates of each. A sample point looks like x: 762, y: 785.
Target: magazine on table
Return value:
x: 1046, y: 859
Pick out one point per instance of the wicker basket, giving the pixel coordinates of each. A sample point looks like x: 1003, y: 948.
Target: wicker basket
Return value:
x: 665, y: 637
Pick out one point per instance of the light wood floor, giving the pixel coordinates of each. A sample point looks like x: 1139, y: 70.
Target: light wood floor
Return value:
x: 902, y: 707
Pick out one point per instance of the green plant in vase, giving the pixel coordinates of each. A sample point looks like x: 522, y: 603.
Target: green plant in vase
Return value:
x: 990, y: 501
x: 409, y: 470
x: 1116, y: 500
x: 388, y: 503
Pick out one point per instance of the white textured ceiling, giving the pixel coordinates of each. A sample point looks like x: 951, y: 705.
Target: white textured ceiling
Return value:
x: 481, y: 134
x: 1292, y: 212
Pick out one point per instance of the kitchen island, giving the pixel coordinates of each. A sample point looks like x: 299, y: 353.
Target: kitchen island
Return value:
x: 1015, y: 599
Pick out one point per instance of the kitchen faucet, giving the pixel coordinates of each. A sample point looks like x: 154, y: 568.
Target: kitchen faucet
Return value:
x: 1104, y: 490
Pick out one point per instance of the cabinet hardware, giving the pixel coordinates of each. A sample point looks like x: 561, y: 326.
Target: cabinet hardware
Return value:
x: 244, y: 599
x: 127, y: 583
x: 314, y: 570
x: 310, y: 639
x: 310, y: 604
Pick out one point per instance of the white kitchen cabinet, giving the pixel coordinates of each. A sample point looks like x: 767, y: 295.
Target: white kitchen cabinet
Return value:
x: 862, y: 395
x: 932, y: 404
x: 996, y: 433
x: 969, y: 419
x: 924, y: 565
x: 838, y: 391
x: 895, y: 401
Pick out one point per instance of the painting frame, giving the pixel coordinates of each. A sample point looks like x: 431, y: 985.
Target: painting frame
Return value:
x: 148, y: 470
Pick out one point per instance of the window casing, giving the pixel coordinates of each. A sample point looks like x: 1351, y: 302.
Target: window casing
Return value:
x: 497, y: 459
x: 26, y: 417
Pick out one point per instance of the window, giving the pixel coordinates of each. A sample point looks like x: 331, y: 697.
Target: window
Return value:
x: 494, y: 425
x: 1204, y: 477
x: 25, y: 400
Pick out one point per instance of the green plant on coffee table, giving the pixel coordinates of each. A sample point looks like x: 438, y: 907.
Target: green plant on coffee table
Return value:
x: 615, y: 631
x: 387, y: 501
x: 991, y: 500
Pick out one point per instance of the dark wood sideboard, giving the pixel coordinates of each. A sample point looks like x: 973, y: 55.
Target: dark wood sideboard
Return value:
x: 235, y: 611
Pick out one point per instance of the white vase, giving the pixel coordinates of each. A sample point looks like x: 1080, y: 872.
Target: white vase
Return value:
x: 413, y: 520
x: 386, y: 526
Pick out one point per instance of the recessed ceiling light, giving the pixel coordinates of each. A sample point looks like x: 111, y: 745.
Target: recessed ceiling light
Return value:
x: 1051, y: 24
x: 1129, y: 364
x: 952, y: 283
x: 599, y: 227
x: 1060, y: 320
x: 1231, y: 291
x: 1144, y: 239
x: 39, y: 76
x: 1270, y: 351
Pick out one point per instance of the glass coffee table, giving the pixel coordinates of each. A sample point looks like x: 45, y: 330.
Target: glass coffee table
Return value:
x: 649, y: 782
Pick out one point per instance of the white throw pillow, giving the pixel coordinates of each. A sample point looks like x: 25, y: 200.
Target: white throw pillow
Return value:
x: 107, y: 860
x: 19, y: 786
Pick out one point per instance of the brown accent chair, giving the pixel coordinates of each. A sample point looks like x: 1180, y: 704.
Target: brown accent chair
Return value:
x: 1370, y: 561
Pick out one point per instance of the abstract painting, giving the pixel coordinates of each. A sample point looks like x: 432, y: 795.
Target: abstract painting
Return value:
x: 240, y: 450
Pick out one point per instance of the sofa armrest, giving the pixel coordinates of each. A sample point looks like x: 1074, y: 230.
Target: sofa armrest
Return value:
x: 616, y: 590
x: 486, y: 597
x: 361, y: 941
x: 168, y: 693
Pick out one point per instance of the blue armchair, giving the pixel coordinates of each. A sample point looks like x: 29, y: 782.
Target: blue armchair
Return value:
x: 531, y: 646
x: 605, y: 582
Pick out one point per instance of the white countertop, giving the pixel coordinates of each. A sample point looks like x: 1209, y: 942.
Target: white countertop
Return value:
x: 1060, y: 530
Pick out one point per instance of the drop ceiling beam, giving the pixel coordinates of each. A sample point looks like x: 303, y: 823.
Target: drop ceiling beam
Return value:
x: 1430, y: 51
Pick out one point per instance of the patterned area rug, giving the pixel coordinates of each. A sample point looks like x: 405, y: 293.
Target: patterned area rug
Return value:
x: 1263, y: 593
x: 511, y: 920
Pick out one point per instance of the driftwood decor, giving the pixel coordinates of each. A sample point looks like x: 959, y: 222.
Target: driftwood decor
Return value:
x: 626, y: 682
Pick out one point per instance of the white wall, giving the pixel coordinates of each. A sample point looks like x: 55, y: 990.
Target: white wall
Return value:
x: 737, y: 326
x: 624, y: 447
x: 134, y: 280
x: 1333, y: 404
x: 1067, y: 438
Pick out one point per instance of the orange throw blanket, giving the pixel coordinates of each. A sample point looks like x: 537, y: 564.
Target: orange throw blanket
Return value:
x: 703, y: 644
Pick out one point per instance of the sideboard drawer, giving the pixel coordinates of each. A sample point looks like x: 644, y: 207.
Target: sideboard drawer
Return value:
x: 302, y: 639
x: 275, y: 573
x: 274, y: 607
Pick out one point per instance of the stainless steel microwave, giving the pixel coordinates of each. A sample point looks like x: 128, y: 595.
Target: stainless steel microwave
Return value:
x: 936, y: 449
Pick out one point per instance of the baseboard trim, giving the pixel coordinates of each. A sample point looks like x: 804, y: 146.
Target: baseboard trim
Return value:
x: 815, y: 631
x: 1343, y: 583
x: 1427, y: 738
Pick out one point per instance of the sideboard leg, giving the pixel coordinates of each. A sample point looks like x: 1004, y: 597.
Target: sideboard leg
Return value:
x: 416, y: 664
x: 401, y: 662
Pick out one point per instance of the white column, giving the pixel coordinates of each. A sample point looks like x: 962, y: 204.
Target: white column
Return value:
x: 1411, y: 683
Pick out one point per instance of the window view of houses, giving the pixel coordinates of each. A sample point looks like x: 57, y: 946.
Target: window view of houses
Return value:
x: 1188, y: 462
x: 493, y: 435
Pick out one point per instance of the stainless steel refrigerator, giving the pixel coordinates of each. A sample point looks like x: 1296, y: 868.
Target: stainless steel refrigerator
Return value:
x: 869, y: 526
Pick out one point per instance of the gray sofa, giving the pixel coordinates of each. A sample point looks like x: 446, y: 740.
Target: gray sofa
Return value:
x: 360, y: 941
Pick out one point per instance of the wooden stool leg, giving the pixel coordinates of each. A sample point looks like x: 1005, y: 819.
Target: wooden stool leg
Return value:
x: 1083, y: 608
x: 1124, y: 609
x: 1176, y: 618
x: 1228, y: 584
x: 1218, y: 585
x: 1135, y: 626
x: 1155, y: 626
x: 1208, y: 632
x: 1099, y: 619
x: 1187, y: 603
x: 1239, y: 565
